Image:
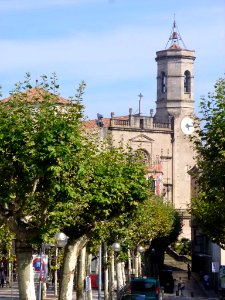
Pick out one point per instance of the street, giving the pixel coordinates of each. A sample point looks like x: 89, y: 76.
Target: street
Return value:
x: 193, y: 290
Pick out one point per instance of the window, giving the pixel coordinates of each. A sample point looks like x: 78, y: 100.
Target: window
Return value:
x: 143, y: 156
x: 141, y: 123
x: 163, y: 82
x: 187, y: 82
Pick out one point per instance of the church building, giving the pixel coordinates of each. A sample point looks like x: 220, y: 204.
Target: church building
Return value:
x: 163, y: 136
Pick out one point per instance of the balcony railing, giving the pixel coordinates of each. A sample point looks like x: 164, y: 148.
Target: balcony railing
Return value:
x: 136, y: 124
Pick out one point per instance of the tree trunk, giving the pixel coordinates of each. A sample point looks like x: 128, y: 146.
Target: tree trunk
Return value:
x: 56, y: 272
x: 88, y: 272
x: 81, y: 274
x: 123, y: 274
x: 119, y: 277
x: 71, y: 253
x: 106, y: 272
x: 25, y: 270
x: 136, y: 265
x: 129, y: 267
x: 139, y: 265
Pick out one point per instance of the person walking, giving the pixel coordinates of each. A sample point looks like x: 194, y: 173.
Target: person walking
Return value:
x: 206, y: 281
x: 180, y: 287
x: 2, y: 277
x: 189, y: 271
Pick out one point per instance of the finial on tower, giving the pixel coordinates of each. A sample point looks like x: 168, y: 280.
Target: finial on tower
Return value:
x: 140, y: 97
x: 175, y: 37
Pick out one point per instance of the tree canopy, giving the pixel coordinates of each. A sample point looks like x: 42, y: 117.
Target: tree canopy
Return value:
x: 53, y: 174
x: 39, y: 144
x: 208, y: 205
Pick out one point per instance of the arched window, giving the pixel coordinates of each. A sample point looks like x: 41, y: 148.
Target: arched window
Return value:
x: 163, y: 82
x: 187, y: 82
x: 143, y: 155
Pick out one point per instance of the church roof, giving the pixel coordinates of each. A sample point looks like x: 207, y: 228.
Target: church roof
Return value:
x: 175, y: 46
x: 91, y: 124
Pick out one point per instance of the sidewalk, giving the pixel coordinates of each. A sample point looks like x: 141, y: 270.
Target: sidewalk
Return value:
x: 194, y: 287
x: 12, y: 293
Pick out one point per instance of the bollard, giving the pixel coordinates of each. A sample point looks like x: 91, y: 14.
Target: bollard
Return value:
x: 177, y: 293
x: 192, y: 294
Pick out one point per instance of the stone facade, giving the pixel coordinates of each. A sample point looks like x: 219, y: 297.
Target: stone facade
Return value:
x: 164, y: 137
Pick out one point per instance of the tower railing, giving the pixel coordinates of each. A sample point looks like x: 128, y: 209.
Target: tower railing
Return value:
x: 132, y: 123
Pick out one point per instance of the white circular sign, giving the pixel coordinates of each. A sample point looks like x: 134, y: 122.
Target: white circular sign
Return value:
x: 187, y: 125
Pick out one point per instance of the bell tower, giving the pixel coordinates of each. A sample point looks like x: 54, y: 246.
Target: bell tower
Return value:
x: 175, y: 106
x: 175, y: 84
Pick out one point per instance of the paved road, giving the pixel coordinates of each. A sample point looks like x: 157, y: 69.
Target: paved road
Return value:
x: 193, y: 290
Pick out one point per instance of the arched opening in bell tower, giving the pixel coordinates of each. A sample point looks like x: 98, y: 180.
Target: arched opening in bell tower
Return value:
x: 163, y: 82
x: 187, y: 82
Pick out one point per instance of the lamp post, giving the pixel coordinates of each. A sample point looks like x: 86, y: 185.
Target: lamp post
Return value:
x: 153, y: 263
x: 140, y: 250
x: 116, y: 248
x: 60, y: 241
x: 100, y: 272
x: 43, y: 271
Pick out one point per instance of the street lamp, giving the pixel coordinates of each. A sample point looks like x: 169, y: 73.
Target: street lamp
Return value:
x: 100, y: 272
x: 116, y: 247
x: 60, y: 242
x: 60, y: 239
x: 153, y: 262
x: 140, y: 250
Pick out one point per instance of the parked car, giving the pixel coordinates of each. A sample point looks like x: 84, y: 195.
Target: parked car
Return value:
x: 133, y: 297
x: 148, y: 286
x: 166, y: 280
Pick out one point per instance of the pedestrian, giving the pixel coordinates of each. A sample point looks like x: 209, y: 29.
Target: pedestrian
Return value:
x: 2, y: 277
x: 180, y: 287
x: 206, y: 281
x: 189, y: 271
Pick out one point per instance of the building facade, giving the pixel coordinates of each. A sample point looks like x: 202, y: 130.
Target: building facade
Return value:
x: 163, y: 137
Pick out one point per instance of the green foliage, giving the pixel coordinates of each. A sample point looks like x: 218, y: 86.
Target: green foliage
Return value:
x: 208, y: 205
x: 5, y: 237
x: 182, y: 247
x: 53, y: 174
x: 41, y: 149
x: 164, y: 241
x: 153, y: 219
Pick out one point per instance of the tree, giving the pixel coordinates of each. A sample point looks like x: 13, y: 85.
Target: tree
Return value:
x: 115, y: 187
x: 182, y: 247
x: 54, y: 177
x: 154, y: 223
x: 41, y: 149
x: 154, y: 218
x: 208, y: 205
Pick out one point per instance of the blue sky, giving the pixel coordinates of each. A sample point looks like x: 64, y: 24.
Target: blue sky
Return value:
x: 110, y: 44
